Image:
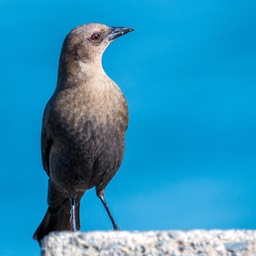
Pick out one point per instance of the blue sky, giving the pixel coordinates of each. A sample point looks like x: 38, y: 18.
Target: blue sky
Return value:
x: 189, y: 74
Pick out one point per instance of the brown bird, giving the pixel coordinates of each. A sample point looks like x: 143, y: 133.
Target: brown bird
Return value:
x: 83, y: 130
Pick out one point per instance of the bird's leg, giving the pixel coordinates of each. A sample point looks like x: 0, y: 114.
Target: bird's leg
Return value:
x: 72, y: 213
x: 100, y: 194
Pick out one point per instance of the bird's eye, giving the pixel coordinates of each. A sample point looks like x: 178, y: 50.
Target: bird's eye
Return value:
x: 95, y: 37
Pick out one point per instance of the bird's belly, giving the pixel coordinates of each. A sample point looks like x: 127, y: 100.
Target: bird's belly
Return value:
x: 84, y: 158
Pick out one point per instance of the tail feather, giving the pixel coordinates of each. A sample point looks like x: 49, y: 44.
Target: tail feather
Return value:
x: 57, y: 219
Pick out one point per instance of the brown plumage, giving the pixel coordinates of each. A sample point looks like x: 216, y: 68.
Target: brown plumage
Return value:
x: 83, y: 131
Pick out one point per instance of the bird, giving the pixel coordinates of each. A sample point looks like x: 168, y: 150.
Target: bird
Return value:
x: 83, y: 128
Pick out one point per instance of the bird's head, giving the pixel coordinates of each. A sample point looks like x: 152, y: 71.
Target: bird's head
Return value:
x: 87, y: 43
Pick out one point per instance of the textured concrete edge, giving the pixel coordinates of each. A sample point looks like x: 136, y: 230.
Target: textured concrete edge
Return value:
x: 173, y: 242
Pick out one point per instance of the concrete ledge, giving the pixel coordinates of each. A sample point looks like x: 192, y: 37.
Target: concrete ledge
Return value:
x: 171, y: 243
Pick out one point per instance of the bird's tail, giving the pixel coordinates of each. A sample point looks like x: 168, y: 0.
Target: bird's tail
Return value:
x: 57, y: 219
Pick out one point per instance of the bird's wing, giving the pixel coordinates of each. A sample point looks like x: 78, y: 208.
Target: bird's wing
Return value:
x: 46, y: 144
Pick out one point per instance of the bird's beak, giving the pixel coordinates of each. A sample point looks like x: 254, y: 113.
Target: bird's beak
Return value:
x: 118, y: 31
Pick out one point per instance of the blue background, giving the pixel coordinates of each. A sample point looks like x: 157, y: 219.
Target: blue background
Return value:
x: 189, y: 74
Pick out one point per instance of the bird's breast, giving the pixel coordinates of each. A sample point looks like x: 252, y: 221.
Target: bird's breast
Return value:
x: 82, y: 113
